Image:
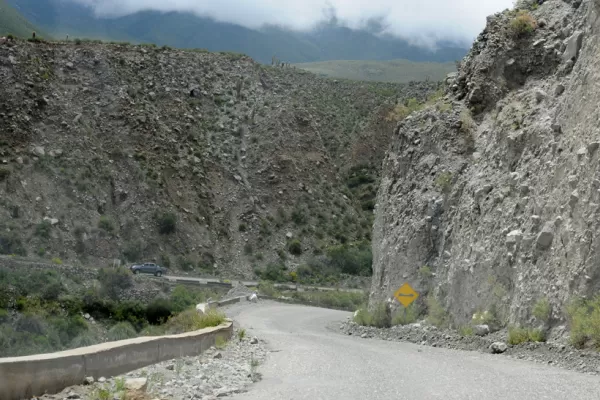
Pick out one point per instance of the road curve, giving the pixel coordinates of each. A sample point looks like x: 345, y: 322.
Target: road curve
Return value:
x: 313, y: 362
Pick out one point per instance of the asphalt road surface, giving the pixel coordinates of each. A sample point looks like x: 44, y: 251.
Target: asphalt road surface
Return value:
x: 311, y: 361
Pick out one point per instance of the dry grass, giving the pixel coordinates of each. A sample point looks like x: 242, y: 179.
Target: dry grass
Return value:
x: 524, y: 24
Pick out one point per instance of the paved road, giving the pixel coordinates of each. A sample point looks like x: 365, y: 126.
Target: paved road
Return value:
x: 312, y: 362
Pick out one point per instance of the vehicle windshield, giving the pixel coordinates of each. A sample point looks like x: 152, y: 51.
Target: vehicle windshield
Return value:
x: 299, y: 199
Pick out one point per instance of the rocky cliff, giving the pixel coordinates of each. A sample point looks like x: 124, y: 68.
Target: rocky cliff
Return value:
x: 489, y: 200
x: 193, y: 159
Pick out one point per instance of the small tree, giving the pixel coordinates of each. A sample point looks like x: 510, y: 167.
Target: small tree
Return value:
x: 167, y: 223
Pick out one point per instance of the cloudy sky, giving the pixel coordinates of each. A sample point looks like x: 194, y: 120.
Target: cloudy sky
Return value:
x: 422, y: 20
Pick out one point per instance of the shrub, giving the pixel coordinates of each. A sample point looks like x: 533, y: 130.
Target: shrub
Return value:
x: 10, y: 243
x: 114, y: 280
x: 466, y: 330
x: 523, y: 24
x: 242, y: 227
x: 248, y: 249
x: 517, y: 335
x: 83, y: 340
x: 406, y: 315
x: 167, y: 223
x: 185, y: 263
x: 4, y: 173
x: 299, y: 217
x: 191, y: 320
x: 241, y: 334
x: 436, y: 314
x: 133, y: 251
x: 273, y: 272
x: 425, y: 272
x: 57, y: 261
x: 379, y: 317
x: 131, y: 311
x: 120, y: 331
x: 165, y: 260
x: 159, y: 311
x: 295, y: 247
x: 106, y: 224
x: 267, y: 289
x: 444, y: 181
x: 584, y: 321
x: 401, y: 111
x: 352, y: 259
x: 541, y: 310
x: 43, y: 229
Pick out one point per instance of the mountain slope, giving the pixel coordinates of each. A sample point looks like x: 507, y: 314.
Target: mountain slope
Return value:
x: 190, y: 158
x: 328, y: 42
x: 381, y: 71
x: 490, y: 202
x: 11, y: 22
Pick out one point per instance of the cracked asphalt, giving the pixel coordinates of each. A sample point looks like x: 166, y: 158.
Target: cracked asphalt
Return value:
x: 310, y: 360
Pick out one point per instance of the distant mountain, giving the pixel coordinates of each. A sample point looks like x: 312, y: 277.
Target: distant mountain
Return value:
x: 400, y: 71
x: 14, y: 23
x: 329, y: 41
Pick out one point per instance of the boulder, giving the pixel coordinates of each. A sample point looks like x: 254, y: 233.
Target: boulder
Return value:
x: 545, y: 237
x: 254, y: 340
x: 481, y: 330
x: 138, y: 384
x: 573, y: 46
x: 498, y: 347
x: 253, y: 298
x: 88, y: 380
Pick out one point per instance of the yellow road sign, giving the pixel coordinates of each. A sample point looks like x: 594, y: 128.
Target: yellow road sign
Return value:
x: 406, y: 295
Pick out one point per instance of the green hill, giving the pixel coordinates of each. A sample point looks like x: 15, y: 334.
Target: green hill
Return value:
x: 13, y: 22
x: 382, y: 71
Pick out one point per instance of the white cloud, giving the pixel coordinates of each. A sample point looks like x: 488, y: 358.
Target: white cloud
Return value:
x: 422, y: 20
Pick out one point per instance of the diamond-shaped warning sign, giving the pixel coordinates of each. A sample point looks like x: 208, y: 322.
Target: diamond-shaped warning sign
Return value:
x: 406, y: 295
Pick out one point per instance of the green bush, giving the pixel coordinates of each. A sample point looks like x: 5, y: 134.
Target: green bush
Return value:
x: 273, y: 272
x: 115, y: 280
x: 436, y: 314
x: 406, y: 315
x: 379, y: 317
x: 268, y: 289
x: 541, y: 310
x: 131, y: 311
x: 10, y: 243
x: 121, y: 331
x: 106, y: 224
x: 584, y: 321
x: 167, y: 223
x: 337, y: 299
x: 295, y: 247
x: 43, y: 229
x: 83, y: 340
x: 133, y: 251
x: 523, y: 24
x: 191, y: 320
x: 517, y: 335
x: 353, y: 259
x: 159, y: 311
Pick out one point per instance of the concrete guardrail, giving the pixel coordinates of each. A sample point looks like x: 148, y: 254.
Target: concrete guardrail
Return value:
x: 29, y: 376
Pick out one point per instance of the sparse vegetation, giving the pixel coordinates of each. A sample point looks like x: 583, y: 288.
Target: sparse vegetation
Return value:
x: 379, y: 317
x: 295, y: 247
x: 106, y: 223
x: 406, y: 315
x: 425, y: 272
x: 436, y: 314
x: 541, y: 310
x: 584, y: 321
x: 241, y: 334
x: 518, y: 335
x: 190, y: 320
x: 444, y: 181
x: 523, y: 24
x: 220, y: 342
x: 167, y: 223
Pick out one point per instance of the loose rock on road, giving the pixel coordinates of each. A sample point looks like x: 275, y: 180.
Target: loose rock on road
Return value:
x: 310, y: 361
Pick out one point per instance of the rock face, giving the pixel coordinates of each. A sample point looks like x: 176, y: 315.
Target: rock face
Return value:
x: 493, y: 192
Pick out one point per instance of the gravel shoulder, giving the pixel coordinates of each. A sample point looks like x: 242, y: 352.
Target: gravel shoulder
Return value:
x: 556, y: 351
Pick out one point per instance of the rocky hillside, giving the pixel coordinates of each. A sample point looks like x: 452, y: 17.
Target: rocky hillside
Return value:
x: 490, y: 200
x: 193, y: 159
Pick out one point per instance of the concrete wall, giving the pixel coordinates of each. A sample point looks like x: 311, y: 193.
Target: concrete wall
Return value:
x: 25, y: 377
